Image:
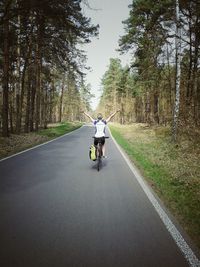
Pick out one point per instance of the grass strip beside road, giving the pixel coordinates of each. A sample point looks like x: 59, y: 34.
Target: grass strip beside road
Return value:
x: 60, y: 129
x: 17, y: 143
x: 172, y: 170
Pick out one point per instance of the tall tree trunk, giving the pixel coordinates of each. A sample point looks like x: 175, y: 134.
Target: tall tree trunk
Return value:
x: 61, y: 100
x: 22, y: 92
x: 44, y: 110
x: 18, y: 88
x: 33, y: 94
x: 156, y: 103
x: 169, y: 78
x: 5, y: 130
x: 189, y: 79
x: 195, y: 71
x: 122, y: 114
x: 195, y: 92
x: 147, y: 108
x: 38, y: 89
x: 45, y: 107
x: 27, y: 69
x: 178, y: 74
x: 28, y: 105
x: 51, y: 102
x: 11, y: 112
x: 40, y: 26
x: 54, y: 111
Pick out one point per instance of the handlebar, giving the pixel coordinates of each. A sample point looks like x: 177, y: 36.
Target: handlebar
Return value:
x: 102, y: 136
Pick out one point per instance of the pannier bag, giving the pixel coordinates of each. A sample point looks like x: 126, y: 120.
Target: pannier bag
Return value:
x: 92, y: 153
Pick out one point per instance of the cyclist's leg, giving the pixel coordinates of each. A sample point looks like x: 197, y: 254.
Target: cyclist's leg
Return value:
x: 103, y: 146
x: 100, y: 150
x: 96, y: 145
x: 95, y: 141
x: 103, y: 150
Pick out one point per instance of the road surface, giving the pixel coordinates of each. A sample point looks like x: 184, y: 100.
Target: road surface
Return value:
x: 56, y: 210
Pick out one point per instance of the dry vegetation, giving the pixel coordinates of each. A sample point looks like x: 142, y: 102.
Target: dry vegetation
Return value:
x: 16, y: 143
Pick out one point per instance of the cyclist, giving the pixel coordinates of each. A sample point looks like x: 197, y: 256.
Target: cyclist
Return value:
x: 100, y: 125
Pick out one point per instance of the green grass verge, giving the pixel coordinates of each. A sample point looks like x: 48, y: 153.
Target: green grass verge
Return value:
x: 173, y: 176
x: 60, y: 129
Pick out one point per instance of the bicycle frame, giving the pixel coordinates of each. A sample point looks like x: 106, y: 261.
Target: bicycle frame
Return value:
x: 99, y: 154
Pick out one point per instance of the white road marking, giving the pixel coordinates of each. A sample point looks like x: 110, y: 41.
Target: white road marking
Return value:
x: 39, y: 145
x: 176, y: 235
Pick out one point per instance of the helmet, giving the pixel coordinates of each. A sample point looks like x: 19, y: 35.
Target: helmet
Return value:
x: 99, y: 116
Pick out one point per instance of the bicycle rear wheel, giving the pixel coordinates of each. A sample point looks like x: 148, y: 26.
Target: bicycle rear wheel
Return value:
x: 98, y: 164
x: 99, y: 155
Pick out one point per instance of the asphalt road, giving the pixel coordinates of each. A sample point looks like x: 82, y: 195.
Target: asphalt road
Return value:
x: 56, y: 210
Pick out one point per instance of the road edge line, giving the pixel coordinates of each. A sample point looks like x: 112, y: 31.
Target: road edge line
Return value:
x: 172, y: 229
x: 34, y: 147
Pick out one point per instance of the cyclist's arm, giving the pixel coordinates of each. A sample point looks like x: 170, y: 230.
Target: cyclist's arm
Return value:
x: 112, y: 115
x: 86, y: 114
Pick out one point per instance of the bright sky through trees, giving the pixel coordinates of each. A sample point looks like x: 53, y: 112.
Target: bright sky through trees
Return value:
x: 109, y: 14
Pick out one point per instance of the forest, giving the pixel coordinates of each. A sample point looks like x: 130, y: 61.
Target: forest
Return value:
x: 42, y: 64
x: 162, y: 84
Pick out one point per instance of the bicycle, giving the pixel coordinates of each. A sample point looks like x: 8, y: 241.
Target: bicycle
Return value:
x: 99, y: 153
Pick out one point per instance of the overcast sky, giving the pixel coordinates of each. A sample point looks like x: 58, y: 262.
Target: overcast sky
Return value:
x: 109, y: 16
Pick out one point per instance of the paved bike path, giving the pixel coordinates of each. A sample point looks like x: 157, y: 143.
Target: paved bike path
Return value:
x: 57, y: 210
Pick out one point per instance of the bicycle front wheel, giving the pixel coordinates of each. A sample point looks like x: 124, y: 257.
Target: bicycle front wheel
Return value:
x: 98, y: 164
